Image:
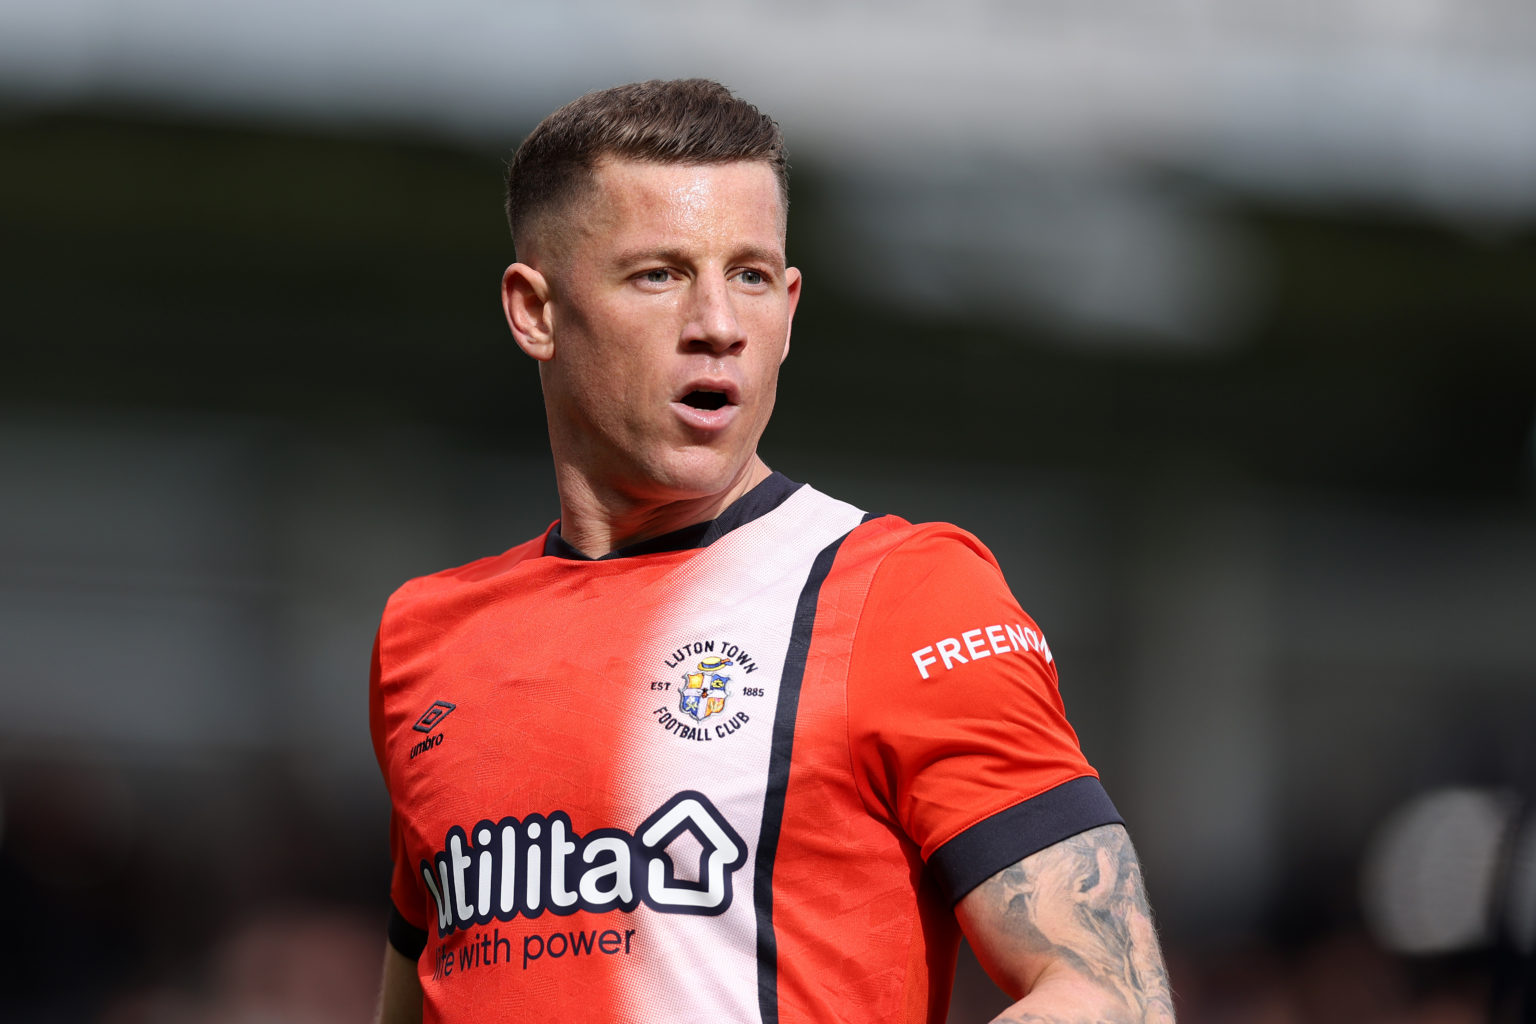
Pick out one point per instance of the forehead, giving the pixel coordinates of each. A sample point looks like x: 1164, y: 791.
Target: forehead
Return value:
x: 709, y: 201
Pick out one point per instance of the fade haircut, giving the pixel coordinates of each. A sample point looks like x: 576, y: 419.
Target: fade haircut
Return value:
x: 689, y: 121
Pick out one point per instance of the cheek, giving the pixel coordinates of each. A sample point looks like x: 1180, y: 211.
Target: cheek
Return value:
x: 595, y: 366
x: 620, y: 348
x: 618, y: 391
x: 770, y: 356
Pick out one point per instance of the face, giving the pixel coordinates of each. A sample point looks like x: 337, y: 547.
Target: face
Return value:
x: 667, y: 312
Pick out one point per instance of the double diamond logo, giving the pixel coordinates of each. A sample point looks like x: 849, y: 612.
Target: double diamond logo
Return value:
x: 434, y: 714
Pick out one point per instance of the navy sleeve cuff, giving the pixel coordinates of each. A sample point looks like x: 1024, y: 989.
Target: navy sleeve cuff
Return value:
x: 407, y: 939
x: 1009, y: 836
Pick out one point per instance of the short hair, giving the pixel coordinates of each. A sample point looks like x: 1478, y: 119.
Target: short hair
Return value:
x: 687, y: 121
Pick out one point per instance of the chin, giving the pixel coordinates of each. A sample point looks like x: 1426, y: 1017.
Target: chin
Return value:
x: 694, y: 477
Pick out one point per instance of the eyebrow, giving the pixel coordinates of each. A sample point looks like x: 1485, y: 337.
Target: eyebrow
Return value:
x: 664, y: 254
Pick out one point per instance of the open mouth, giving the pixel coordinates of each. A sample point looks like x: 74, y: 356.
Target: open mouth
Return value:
x: 700, y: 399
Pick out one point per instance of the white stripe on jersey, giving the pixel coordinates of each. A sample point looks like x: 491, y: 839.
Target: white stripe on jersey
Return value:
x: 743, y: 588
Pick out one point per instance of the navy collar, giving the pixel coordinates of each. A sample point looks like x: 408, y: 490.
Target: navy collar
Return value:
x: 757, y: 502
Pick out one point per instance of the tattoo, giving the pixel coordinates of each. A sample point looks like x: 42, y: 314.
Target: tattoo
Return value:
x: 1082, y: 902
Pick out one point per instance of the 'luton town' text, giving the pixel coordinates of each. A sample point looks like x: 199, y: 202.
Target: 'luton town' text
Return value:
x: 722, y: 647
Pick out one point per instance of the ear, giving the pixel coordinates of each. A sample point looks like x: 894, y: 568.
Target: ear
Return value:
x: 525, y: 300
x: 792, y: 290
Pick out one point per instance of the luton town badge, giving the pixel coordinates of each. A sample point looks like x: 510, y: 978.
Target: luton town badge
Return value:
x: 703, y: 692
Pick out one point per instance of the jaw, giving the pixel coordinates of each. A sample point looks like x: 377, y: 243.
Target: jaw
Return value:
x: 695, y: 454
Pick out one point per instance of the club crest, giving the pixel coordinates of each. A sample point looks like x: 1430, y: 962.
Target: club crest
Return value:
x: 704, y: 692
x: 703, y: 688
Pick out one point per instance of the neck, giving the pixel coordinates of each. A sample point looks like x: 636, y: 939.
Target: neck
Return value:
x: 597, y: 521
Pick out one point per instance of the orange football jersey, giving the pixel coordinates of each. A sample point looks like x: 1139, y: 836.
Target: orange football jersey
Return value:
x: 738, y: 773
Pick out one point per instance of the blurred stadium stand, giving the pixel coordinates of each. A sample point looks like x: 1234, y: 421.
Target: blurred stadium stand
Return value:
x: 1216, y: 321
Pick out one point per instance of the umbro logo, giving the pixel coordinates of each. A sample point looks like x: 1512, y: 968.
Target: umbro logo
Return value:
x: 426, y: 723
x: 434, y: 714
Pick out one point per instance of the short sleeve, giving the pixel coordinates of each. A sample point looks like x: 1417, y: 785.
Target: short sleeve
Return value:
x: 407, y: 932
x: 956, y: 723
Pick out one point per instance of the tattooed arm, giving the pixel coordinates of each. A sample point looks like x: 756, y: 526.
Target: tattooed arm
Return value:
x: 1068, y: 929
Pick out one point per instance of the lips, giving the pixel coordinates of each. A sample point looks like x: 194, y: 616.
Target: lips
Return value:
x: 708, y: 403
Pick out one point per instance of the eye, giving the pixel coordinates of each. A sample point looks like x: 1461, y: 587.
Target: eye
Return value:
x: 752, y: 277
x: 656, y: 275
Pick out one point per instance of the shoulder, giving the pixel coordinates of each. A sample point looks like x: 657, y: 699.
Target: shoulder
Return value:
x: 896, y: 548
x: 478, y: 571
x: 427, y: 602
x: 935, y: 599
x: 930, y: 571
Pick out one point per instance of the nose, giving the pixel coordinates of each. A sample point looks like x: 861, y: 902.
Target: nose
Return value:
x: 712, y: 321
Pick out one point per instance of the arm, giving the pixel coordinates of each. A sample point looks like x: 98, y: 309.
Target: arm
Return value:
x: 400, y: 995
x: 1068, y: 933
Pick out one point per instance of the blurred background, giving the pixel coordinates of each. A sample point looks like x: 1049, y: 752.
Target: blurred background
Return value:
x: 1216, y: 319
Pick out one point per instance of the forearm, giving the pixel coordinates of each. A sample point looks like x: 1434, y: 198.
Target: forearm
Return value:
x: 1070, y: 999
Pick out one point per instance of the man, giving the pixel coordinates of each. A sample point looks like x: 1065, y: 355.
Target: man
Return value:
x: 718, y: 747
